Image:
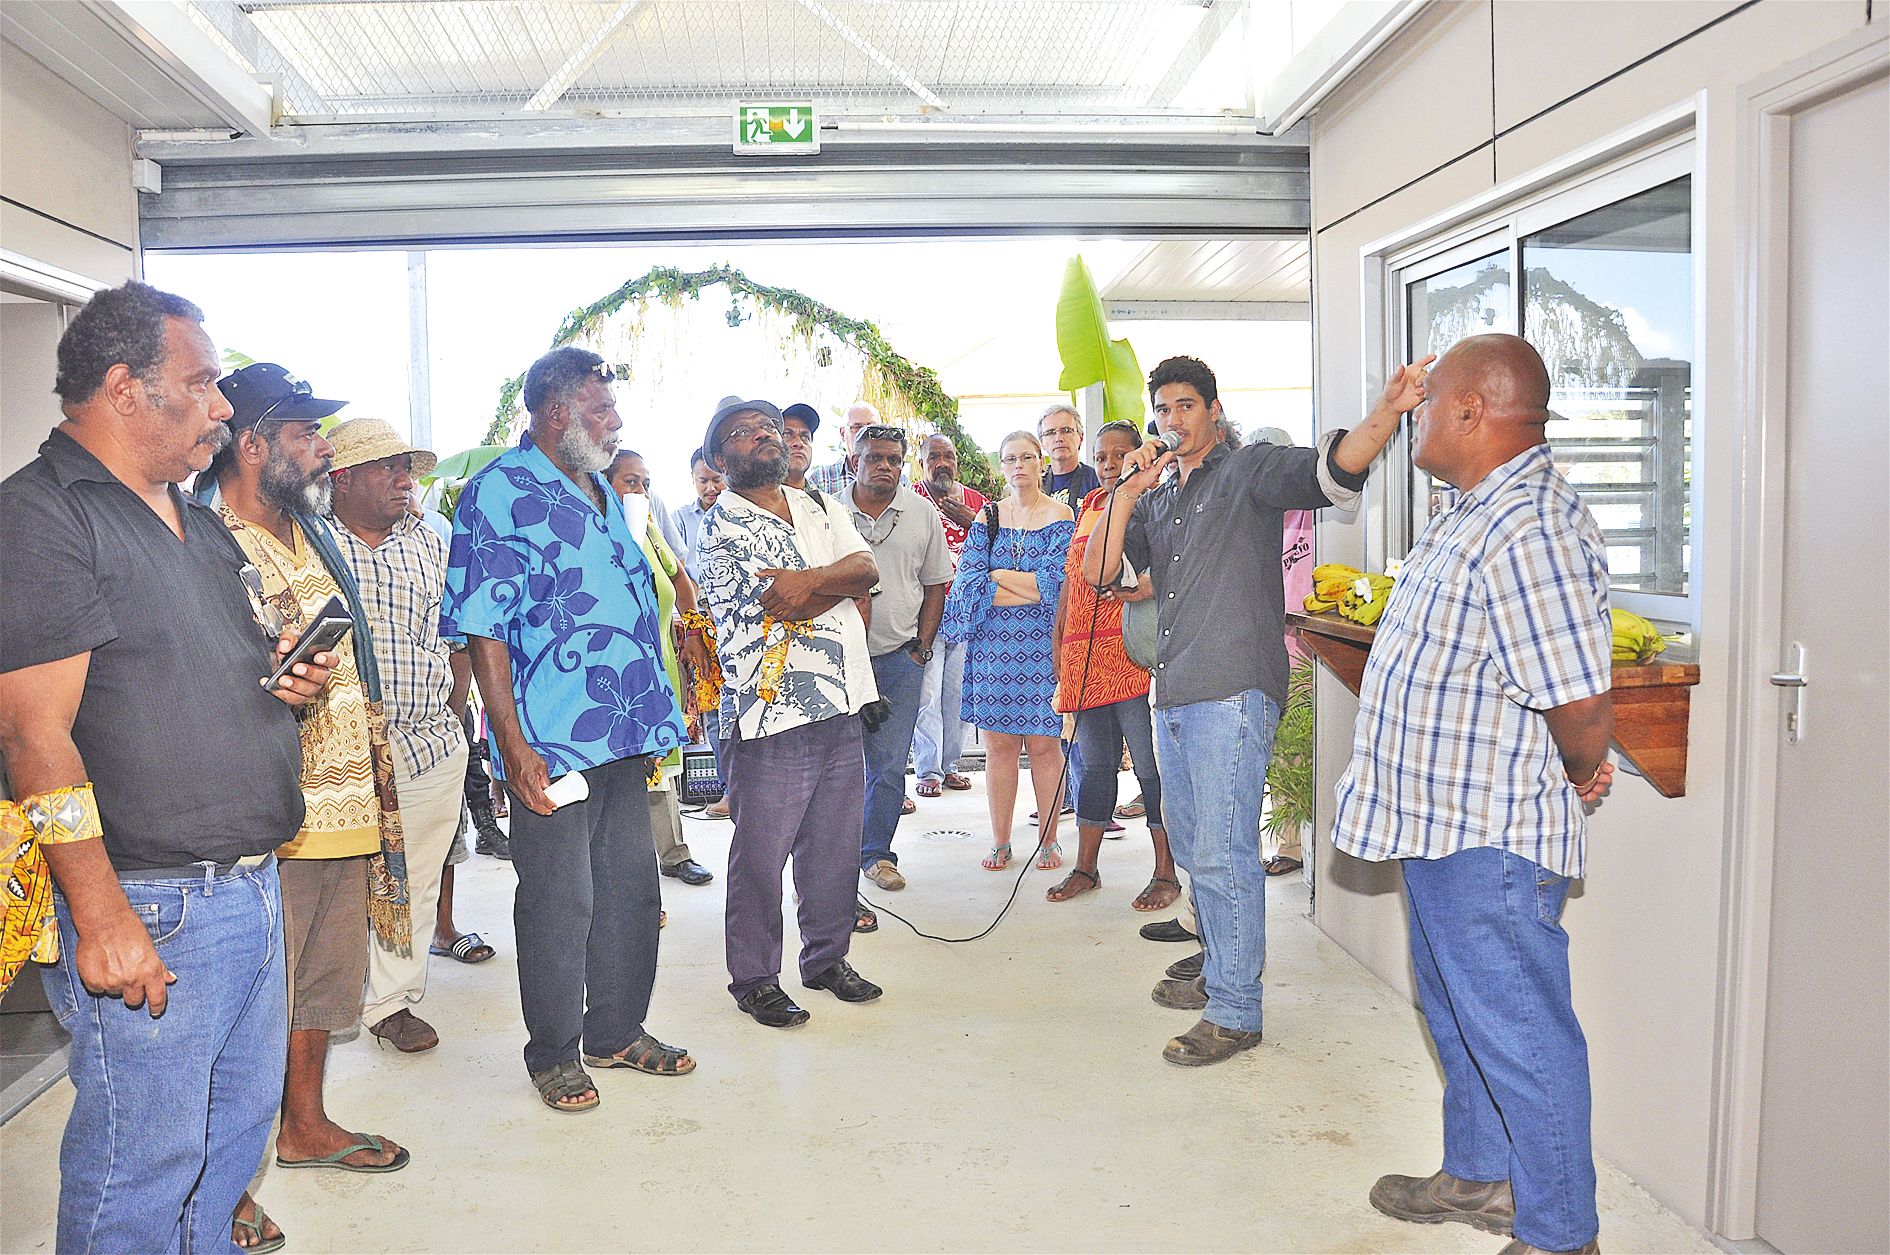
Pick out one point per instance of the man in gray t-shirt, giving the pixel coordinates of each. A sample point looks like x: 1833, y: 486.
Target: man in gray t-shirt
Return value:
x: 915, y: 572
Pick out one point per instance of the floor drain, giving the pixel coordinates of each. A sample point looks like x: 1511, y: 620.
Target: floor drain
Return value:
x: 947, y: 834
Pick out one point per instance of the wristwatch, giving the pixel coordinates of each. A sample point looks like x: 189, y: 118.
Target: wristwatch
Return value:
x: 922, y: 652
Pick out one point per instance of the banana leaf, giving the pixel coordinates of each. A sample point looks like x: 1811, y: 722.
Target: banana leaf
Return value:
x: 1089, y: 355
x: 465, y: 464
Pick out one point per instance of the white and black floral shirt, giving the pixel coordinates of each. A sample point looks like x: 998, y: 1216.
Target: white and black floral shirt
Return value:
x: 828, y: 671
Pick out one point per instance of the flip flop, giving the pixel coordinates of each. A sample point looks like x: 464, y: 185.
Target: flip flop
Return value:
x: 368, y: 1142
x: 463, y: 949
x: 927, y: 788
x: 262, y: 1245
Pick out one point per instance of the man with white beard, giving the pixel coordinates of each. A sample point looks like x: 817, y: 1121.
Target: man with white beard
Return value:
x: 558, y: 608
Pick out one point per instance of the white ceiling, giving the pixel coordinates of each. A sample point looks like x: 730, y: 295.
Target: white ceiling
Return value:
x: 1216, y: 270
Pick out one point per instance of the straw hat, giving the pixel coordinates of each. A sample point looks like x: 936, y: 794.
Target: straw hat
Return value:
x: 362, y: 440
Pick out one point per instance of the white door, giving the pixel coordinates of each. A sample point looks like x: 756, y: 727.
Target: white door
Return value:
x: 1824, y: 1174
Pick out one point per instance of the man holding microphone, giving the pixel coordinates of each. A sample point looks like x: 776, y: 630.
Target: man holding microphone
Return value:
x: 1209, y: 535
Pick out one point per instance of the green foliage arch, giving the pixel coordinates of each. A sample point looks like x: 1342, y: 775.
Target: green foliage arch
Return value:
x: 891, y: 377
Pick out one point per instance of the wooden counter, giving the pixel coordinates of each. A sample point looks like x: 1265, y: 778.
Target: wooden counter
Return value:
x: 1650, y: 699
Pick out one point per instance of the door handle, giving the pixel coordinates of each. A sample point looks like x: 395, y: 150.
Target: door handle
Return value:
x: 1795, y: 680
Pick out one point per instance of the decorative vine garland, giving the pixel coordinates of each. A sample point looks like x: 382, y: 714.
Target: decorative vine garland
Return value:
x: 918, y: 386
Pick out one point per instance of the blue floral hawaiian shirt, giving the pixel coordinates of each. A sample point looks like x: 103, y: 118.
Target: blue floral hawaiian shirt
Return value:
x: 570, y: 593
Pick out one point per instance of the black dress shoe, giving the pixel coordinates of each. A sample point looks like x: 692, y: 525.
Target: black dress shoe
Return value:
x: 844, y: 983
x: 1188, y: 968
x: 770, y: 1005
x: 1167, y: 930
x: 690, y: 872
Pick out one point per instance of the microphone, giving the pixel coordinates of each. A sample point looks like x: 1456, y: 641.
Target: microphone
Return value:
x: 1169, y: 440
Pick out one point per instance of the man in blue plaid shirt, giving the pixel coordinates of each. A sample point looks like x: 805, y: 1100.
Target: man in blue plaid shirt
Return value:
x: 1482, y: 733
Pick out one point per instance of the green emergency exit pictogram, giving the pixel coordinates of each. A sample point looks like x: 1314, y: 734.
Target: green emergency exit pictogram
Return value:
x: 777, y: 128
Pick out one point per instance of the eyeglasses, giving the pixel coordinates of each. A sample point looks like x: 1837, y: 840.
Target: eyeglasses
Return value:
x: 297, y: 389
x: 748, y: 431
x: 1066, y: 430
x: 267, y: 617
x: 1018, y: 459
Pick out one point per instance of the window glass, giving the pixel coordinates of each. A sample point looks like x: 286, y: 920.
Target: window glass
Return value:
x: 1608, y: 302
x: 1467, y: 300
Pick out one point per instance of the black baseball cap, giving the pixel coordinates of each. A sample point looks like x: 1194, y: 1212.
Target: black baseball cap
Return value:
x: 264, y: 390
x: 727, y: 409
x: 805, y: 412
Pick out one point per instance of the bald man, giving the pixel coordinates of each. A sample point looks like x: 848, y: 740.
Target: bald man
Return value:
x: 1482, y: 733
x: 837, y: 477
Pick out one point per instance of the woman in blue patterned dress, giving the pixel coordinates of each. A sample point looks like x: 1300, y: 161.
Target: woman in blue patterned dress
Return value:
x: 1003, y: 605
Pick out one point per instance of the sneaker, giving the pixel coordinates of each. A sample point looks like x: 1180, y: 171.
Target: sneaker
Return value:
x: 885, y: 874
x: 1485, y: 1205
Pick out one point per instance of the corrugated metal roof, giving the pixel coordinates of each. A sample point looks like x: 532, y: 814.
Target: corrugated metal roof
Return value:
x: 493, y: 58
x: 1217, y: 270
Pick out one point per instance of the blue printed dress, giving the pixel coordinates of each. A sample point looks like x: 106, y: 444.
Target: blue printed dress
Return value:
x: 1010, y: 672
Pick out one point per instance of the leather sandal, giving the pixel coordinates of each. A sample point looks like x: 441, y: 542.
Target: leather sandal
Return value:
x: 1067, y: 888
x: 565, y: 1080
x: 647, y: 1055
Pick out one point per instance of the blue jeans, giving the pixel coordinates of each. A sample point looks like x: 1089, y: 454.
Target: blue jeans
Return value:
x: 1101, y: 733
x: 939, y: 737
x: 1214, y: 769
x: 900, y: 682
x: 1491, y: 961
x: 172, y: 1115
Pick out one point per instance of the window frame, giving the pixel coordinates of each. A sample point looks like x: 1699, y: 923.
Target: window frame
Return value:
x: 1502, y: 227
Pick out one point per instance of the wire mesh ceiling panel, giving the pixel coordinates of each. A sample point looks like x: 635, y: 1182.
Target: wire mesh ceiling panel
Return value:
x: 464, y: 59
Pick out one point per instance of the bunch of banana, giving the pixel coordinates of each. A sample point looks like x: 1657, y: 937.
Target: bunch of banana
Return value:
x: 1330, y: 580
x: 1364, y: 599
x: 1635, y: 639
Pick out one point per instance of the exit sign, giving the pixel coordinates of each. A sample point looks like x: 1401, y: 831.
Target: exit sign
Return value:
x: 785, y: 129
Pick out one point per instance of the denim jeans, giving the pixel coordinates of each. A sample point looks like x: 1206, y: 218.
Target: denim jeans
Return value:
x: 712, y: 733
x: 1101, y: 733
x: 172, y: 1114
x: 938, y: 739
x: 900, y: 682
x: 1491, y: 961
x: 1214, y: 769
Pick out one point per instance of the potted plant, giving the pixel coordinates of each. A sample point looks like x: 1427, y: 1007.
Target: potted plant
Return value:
x: 1290, y: 770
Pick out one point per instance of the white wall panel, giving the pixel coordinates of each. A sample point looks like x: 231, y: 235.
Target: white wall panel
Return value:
x: 1422, y: 102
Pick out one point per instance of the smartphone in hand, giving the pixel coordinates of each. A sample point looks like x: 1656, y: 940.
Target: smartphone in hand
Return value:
x: 322, y: 634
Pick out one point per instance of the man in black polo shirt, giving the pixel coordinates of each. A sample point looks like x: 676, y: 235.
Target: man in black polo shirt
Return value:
x: 160, y: 774
x: 1209, y: 536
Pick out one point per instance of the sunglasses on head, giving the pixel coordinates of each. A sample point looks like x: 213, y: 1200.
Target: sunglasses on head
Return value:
x: 296, y: 389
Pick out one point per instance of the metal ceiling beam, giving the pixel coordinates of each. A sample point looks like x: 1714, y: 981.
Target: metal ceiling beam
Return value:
x: 164, y: 35
x: 232, y: 22
x: 444, y: 191
x: 582, y: 59
x: 872, y: 54
x: 1214, y: 22
x: 1209, y: 311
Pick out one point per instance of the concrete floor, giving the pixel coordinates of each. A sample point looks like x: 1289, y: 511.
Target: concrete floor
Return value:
x: 1004, y: 1095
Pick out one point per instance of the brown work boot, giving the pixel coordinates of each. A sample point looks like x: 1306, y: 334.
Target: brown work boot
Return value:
x: 1485, y: 1205
x: 1520, y: 1247
x: 1207, y: 1043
